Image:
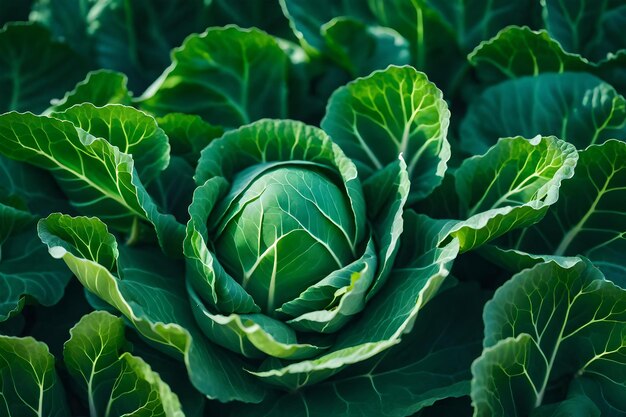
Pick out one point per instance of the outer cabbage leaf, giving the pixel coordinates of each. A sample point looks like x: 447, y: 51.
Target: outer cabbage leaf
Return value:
x: 188, y: 135
x: 588, y: 219
x: 99, y: 88
x: 113, y: 382
x: 361, y: 49
x: 29, y: 385
x: 97, y: 177
x: 148, y: 291
x: 576, y: 107
x: 520, y: 51
x: 405, y: 378
x: 228, y: 76
x: 34, y: 68
x: 391, y: 112
x: 134, y: 38
x: 510, y: 187
x: 590, y: 28
x: 306, y: 19
x: 131, y: 131
x: 545, y: 327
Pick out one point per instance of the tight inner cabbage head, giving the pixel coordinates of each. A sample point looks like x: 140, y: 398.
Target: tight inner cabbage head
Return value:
x: 289, y: 228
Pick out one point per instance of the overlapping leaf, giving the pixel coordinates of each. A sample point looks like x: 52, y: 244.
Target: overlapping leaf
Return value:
x: 97, y: 177
x: 392, y: 112
x: 29, y: 384
x: 576, y: 107
x: 228, y: 76
x: 149, y: 292
x: 588, y: 219
x: 113, y: 382
x: 549, y: 330
x: 34, y: 68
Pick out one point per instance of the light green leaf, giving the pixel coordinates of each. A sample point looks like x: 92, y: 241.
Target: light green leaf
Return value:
x: 188, y: 135
x: 99, y: 88
x: 419, y: 273
x: 361, y: 49
x: 97, y: 178
x: 114, y: 383
x: 29, y: 385
x: 130, y: 130
x: 331, y: 303
x: 229, y: 76
x: 252, y: 335
x: 392, y: 112
x: 545, y: 327
x: 576, y: 107
x: 590, y: 28
x: 510, y: 187
x: 589, y: 218
x: 34, y: 68
x: 149, y: 292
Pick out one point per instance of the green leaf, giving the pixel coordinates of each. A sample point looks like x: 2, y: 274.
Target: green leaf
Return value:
x: 472, y: 22
x: 576, y: 107
x: 361, y: 49
x: 29, y: 385
x: 392, y: 112
x: 22, y: 280
x: 545, y: 327
x: 148, y: 291
x: 252, y: 335
x: 592, y: 29
x: 589, y: 218
x: 510, y: 187
x: 442, y: 32
x: 99, y: 88
x: 131, y: 131
x: 188, y: 135
x: 173, y: 189
x: 306, y: 19
x: 113, y: 382
x: 406, y: 378
x: 134, y: 38
x: 97, y: 178
x: 34, y: 68
x: 520, y: 51
x: 229, y: 76
x: 388, y: 316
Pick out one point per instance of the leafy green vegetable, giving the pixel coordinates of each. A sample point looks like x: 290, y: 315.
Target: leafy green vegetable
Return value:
x: 286, y: 207
x: 114, y: 383
x: 34, y: 68
x: 229, y: 76
x: 545, y: 327
x: 389, y: 113
x: 576, y: 107
x: 29, y: 383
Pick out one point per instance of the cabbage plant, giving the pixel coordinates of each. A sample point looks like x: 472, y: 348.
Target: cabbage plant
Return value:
x: 295, y: 208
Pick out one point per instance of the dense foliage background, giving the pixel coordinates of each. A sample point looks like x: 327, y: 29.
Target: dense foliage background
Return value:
x: 471, y: 153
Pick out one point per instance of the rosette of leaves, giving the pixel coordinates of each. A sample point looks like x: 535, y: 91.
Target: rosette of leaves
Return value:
x: 286, y: 245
